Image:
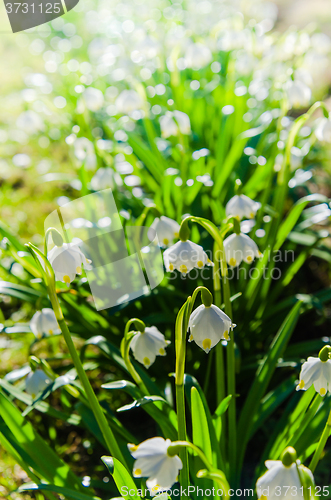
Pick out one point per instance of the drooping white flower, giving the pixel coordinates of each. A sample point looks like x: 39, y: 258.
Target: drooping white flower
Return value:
x: 67, y: 262
x: 166, y: 230
x: 128, y: 101
x: 298, y: 94
x: 44, y: 324
x: 315, y: 372
x: 240, y: 247
x: 173, y: 122
x: 241, y: 206
x: 208, y: 325
x: 148, y: 344
x: 281, y: 481
x: 153, y: 461
x: 184, y: 256
x: 323, y: 130
x: 36, y: 382
x: 197, y: 56
x: 93, y: 98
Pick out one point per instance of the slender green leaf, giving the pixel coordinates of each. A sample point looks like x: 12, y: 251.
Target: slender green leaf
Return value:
x: 124, y: 482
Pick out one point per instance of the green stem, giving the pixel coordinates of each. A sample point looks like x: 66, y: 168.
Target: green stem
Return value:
x: 211, y: 473
x: 180, y: 347
x: 180, y: 408
x: 125, y: 350
x: 95, y: 405
x: 220, y: 379
x: 93, y: 401
x: 231, y: 372
x: 231, y: 386
x: 322, y: 442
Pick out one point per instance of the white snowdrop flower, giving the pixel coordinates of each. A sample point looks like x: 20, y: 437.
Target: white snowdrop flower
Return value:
x: 173, y: 122
x: 44, y: 324
x: 103, y: 179
x: 240, y: 247
x: 282, y: 478
x: 208, y: 325
x: 241, y: 206
x: 197, y: 56
x: 152, y: 461
x: 93, y: 98
x: 298, y: 94
x: 323, y: 130
x: 128, y: 101
x: 36, y: 382
x: 67, y: 262
x: 30, y: 122
x: 184, y: 256
x: 166, y: 230
x: 148, y: 344
x: 315, y: 372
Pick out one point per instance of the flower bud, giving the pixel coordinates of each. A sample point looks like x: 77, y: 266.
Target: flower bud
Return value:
x: 289, y: 456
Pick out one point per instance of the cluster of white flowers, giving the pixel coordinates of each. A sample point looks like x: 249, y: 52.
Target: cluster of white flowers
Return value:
x: 286, y: 478
x: 184, y: 256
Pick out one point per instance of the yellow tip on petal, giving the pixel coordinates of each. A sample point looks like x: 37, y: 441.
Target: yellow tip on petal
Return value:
x: 162, y: 351
x: 263, y: 497
x: 78, y: 270
x: 137, y: 473
x: 171, y: 267
x: 249, y: 258
x: 132, y: 447
x: 176, y: 235
x: 206, y: 344
x: 183, y: 268
x: 251, y: 215
x: 190, y: 338
x: 50, y: 332
x: 232, y: 261
x: 301, y: 384
x: 226, y: 335
x: 146, y: 361
x: 165, y: 241
x: 66, y: 279
x: 156, y: 487
x: 200, y: 263
x: 322, y: 391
